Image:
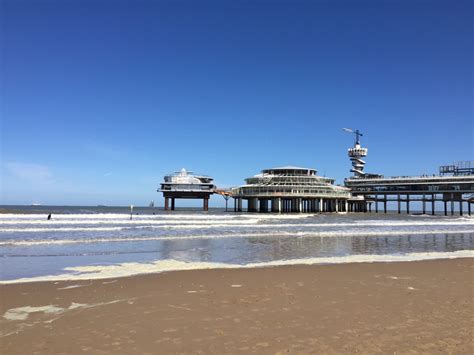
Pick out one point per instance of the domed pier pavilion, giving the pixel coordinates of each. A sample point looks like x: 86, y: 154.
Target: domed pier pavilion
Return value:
x: 183, y: 184
x: 291, y: 189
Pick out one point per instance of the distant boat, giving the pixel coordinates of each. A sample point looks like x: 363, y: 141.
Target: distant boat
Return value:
x: 152, y: 204
x: 36, y: 204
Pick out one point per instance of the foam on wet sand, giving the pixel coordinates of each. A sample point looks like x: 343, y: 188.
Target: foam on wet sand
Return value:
x: 93, y: 272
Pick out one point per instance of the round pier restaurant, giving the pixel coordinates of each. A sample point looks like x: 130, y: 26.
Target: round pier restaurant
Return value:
x: 291, y: 189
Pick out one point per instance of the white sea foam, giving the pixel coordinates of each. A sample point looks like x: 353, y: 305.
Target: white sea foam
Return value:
x: 22, y: 313
x: 130, y: 269
x: 311, y: 234
x: 126, y: 222
x: 174, y: 215
x: 70, y: 286
x: 204, y: 225
x: 223, y: 221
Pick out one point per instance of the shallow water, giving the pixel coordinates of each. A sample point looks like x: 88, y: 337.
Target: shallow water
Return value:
x: 31, y: 246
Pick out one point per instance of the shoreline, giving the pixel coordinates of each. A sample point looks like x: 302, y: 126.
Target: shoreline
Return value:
x: 132, y: 269
x: 424, y: 306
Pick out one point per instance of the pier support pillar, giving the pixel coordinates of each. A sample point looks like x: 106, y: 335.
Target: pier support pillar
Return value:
x: 385, y: 204
x: 399, y: 203
x: 300, y: 205
x: 445, y: 207
x: 239, y: 205
x: 252, y: 204
x: 424, y: 204
x: 408, y: 204
x: 433, y: 205
x: 167, y: 207
x: 469, y: 208
x: 460, y: 207
x: 320, y: 205
x: 346, y: 205
x: 205, y: 206
x: 370, y: 206
x: 376, y: 204
x: 452, y: 204
x: 172, y: 204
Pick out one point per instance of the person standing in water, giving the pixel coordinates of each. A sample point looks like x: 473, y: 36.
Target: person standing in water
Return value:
x: 49, y: 217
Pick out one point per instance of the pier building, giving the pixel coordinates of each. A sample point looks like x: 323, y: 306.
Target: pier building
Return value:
x: 185, y: 185
x: 290, y: 189
x: 453, y: 185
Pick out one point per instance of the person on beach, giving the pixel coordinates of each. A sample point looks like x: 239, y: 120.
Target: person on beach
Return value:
x: 49, y: 217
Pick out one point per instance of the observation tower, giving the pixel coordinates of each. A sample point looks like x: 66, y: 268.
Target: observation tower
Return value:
x: 356, y: 154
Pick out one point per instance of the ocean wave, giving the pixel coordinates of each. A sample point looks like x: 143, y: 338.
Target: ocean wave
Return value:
x: 175, y: 216
x: 306, y: 234
x: 234, y: 224
x: 133, y: 268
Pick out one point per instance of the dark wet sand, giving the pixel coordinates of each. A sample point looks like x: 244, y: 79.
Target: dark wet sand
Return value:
x: 413, y: 307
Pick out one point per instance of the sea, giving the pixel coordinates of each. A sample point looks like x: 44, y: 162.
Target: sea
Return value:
x: 80, y: 243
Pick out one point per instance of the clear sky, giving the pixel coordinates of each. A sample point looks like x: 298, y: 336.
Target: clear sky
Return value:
x: 100, y: 99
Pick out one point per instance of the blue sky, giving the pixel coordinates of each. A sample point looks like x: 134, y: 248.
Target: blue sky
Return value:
x: 100, y: 99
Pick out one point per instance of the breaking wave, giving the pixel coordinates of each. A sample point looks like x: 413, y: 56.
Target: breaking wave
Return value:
x: 347, y: 233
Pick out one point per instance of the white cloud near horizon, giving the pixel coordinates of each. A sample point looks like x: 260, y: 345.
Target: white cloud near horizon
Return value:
x: 30, y: 172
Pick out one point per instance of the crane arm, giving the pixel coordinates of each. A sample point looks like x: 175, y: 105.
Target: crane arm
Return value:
x: 357, y: 133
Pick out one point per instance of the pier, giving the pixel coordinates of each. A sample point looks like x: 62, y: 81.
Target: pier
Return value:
x: 454, y: 185
x: 403, y: 191
x: 290, y: 189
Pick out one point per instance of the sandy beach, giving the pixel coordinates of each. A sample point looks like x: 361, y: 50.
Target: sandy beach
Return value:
x: 411, y: 307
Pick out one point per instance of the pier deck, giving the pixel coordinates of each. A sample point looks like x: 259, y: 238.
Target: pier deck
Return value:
x: 425, y: 189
